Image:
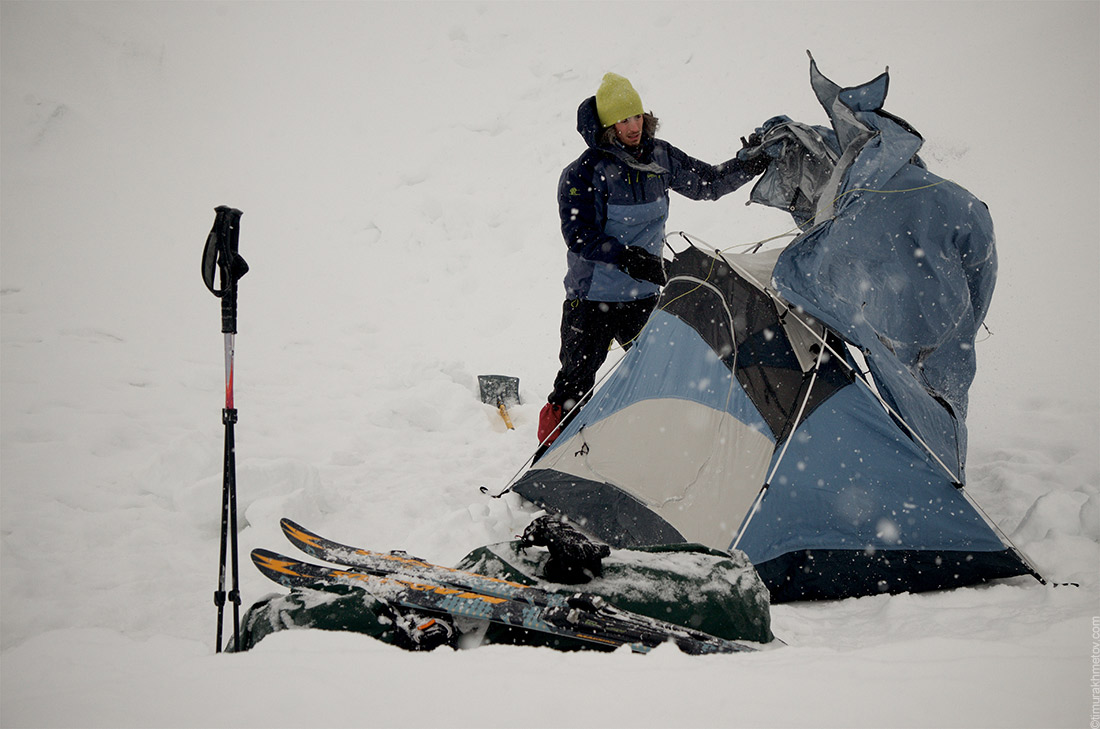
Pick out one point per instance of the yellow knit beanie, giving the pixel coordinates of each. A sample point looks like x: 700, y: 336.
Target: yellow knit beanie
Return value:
x: 617, y: 100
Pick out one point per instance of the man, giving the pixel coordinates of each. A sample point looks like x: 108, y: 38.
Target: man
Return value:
x: 613, y: 201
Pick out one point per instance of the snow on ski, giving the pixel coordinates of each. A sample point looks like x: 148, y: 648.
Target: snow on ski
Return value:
x: 583, y: 618
x: 386, y: 563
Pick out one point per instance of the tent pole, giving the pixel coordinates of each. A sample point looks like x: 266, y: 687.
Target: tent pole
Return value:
x: 783, y: 451
x: 788, y: 309
x: 543, y: 447
x: 1002, y: 536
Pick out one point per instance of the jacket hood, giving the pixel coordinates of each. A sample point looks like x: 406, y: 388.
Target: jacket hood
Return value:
x: 589, y: 127
x: 588, y: 122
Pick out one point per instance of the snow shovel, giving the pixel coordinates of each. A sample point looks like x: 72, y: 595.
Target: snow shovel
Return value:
x: 501, y: 391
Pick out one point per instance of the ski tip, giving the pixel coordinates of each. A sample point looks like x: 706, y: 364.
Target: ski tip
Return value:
x: 260, y: 554
x: 301, y: 537
x: 291, y: 527
x: 265, y: 560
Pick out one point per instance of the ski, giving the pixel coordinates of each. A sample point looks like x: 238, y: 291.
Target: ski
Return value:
x: 400, y: 564
x: 387, y: 563
x: 584, y: 618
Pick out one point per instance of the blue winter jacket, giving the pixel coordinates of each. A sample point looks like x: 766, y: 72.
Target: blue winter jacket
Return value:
x: 608, y: 200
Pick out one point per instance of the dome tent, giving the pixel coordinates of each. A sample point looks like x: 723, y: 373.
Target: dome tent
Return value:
x: 743, y: 417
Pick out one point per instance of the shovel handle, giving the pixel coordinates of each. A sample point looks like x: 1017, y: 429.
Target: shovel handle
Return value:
x: 504, y: 413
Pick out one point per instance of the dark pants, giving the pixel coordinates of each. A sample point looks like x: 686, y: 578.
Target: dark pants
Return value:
x: 587, y: 330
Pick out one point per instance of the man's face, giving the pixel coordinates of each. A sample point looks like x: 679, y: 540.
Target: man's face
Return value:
x: 629, y: 131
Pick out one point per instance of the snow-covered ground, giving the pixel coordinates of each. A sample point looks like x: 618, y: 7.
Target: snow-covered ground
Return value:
x: 397, y: 166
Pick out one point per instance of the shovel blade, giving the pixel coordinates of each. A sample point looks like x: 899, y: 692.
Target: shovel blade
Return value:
x: 499, y: 389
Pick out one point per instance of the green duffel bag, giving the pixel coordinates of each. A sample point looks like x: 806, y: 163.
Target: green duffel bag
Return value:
x: 686, y: 584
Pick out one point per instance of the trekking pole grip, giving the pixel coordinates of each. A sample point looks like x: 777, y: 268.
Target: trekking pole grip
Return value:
x: 232, y: 266
x: 220, y: 254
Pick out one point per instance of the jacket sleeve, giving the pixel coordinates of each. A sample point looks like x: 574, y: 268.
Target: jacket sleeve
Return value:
x: 582, y: 205
x: 701, y: 181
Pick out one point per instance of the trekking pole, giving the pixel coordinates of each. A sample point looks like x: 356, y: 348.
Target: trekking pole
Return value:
x: 221, y: 253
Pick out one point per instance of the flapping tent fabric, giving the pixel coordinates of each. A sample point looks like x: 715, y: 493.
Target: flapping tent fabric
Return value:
x: 740, y: 418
